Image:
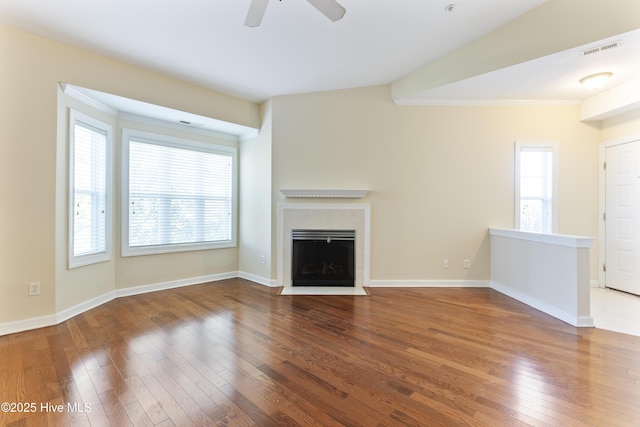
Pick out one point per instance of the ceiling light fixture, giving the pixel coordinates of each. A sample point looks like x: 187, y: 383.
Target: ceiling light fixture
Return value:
x: 450, y: 7
x: 595, y: 81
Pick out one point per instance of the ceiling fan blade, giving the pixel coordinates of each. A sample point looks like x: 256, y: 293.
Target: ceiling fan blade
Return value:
x: 330, y: 8
x: 256, y: 12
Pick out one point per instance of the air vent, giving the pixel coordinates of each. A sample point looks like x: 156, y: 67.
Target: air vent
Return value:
x: 602, y: 48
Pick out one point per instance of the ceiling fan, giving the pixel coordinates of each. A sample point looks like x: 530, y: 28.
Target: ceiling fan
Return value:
x: 329, y: 8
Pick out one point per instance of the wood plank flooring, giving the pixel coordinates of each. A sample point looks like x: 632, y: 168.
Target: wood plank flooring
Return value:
x: 234, y: 353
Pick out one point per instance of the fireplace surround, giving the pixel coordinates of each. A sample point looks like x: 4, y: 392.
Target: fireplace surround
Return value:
x: 323, y: 216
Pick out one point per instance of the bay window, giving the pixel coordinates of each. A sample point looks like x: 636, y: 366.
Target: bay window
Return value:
x: 178, y: 194
x: 90, y: 192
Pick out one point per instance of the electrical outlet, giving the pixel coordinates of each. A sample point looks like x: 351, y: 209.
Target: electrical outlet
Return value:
x: 34, y: 288
x: 263, y: 259
x: 445, y: 263
x: 467, y: 263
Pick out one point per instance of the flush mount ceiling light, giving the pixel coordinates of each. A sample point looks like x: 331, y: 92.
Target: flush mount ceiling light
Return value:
x: 595, y: 81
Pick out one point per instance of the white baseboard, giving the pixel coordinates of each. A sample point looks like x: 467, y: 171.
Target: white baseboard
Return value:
x: 145, y: 289
x: 428, y: 284
x: 258, y: 279
x: 387, y: 283
x: 27, y: 324
x: 578, y: 321
x: 68, y: 313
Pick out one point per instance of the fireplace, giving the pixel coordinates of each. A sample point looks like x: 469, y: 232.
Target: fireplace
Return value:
x: 323, y: 257
x: 323, y: 216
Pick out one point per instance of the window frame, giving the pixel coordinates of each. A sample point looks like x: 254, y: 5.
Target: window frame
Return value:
x: 549, y: 146
x: 181, y: 143
x: 75, y: 261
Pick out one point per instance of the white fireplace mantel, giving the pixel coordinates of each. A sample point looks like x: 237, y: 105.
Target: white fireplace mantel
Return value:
x: 320, y: 193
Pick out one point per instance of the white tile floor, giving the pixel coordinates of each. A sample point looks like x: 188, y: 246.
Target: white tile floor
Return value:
x: 322, y: 290
x: 615, y: 310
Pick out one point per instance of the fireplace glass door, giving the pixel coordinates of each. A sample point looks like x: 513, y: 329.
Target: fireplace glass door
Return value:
x: 323, y: 257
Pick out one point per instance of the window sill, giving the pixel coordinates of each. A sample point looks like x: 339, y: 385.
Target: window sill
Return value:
x: 168, y: 249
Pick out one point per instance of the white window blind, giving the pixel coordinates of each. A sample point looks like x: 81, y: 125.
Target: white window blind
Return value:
x: 180, y: 196
x: 535, y: 188
x: 89, y: 195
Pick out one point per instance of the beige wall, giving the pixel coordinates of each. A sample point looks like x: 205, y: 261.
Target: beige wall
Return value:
x: 623, y: 126
x: 255, y: 203
x: 440, y: 176
x: 33, y: 187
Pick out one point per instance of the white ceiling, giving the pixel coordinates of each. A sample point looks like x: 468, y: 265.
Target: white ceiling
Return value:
x: 549, y: 79
x: 295, y: 50
x: 298, y: 50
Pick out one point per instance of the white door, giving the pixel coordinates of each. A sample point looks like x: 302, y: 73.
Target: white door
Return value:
x: 622, y: 226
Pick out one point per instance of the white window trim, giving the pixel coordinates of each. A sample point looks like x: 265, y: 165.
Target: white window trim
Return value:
x: 553, y: 147
x: 126, y: 250
x: 82, y: 260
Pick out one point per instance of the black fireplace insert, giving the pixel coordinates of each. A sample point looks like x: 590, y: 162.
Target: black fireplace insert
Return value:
x: 323, y: 257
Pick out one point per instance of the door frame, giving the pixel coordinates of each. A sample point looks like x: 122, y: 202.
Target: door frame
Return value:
x: 602, y: 155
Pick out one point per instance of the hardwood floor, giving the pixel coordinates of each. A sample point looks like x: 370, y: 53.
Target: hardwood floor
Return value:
x: 234, y: 353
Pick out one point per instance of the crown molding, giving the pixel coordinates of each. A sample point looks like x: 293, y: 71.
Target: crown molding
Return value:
x: 68, y: 89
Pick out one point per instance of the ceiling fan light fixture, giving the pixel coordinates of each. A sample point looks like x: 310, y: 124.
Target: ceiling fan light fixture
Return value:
x: 257, y: 8
x: 595, y: 81
x: 329, y: 8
